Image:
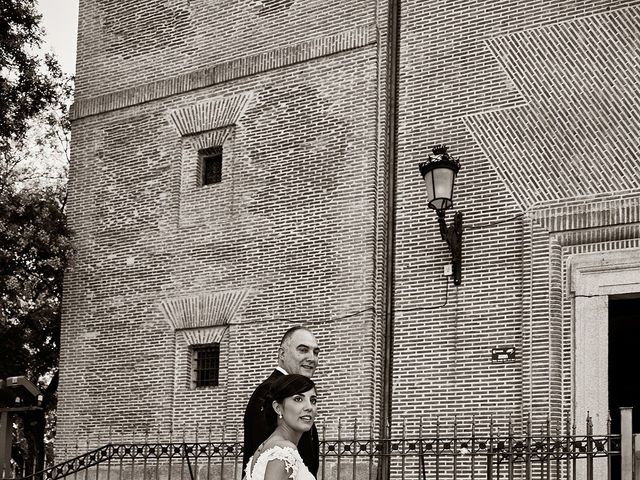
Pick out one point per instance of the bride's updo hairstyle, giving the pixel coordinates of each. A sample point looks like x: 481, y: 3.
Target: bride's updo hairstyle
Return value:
x: 284, y: 387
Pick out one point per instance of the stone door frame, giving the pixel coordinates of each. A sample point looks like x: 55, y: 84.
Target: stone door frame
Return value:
x: 593, y: 279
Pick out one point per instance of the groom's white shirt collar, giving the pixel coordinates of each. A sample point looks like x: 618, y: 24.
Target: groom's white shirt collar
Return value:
x: 280, y: 369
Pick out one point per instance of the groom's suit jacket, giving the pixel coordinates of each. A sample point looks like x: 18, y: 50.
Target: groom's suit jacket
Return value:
x: 256, y: 428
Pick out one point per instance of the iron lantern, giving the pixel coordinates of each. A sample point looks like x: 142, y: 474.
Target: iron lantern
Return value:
x: 439, y: 173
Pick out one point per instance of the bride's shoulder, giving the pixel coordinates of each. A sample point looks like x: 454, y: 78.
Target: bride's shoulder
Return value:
x: 282, y: 450
x: 281, y: 458
x: 284, y: 444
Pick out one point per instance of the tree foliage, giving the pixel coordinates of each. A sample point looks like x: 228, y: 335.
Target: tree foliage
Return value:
x: 34, y: 249
x: 35, y: 243
x: 26, y: 87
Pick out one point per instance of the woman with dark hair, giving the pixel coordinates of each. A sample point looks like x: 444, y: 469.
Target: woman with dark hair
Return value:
x: 291, y: 408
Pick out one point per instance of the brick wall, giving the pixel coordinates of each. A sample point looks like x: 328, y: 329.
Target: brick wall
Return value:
x: 538, y: 100
x: 127, y: 43
x: 534, y: 98
x: 290, y: 233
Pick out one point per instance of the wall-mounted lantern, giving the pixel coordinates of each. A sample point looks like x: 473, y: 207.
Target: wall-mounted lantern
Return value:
x: 439, y: 173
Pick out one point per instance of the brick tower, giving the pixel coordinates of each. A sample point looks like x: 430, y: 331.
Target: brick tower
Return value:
x: 242, y: 166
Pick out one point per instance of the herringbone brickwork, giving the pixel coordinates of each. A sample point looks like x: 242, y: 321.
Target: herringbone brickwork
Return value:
x: 537, y: 99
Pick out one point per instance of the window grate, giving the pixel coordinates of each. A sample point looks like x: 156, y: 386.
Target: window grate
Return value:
x: 206, y: 361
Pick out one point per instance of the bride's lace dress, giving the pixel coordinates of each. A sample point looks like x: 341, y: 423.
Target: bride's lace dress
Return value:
x: 293, y: 462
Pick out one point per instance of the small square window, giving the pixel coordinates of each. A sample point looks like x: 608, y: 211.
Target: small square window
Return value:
x: 206, y: 365
x: 211, y: 165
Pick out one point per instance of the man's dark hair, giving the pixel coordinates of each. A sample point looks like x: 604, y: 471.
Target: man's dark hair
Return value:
x: 284, y: 387
x: 287, y: 335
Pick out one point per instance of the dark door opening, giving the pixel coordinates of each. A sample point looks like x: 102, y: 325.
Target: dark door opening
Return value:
x: 624, y: 344
x: 624, y: 387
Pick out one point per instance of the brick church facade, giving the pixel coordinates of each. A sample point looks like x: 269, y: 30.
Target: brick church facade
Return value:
x: 242, y: 166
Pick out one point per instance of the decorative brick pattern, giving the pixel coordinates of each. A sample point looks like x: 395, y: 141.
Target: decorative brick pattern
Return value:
x: 226, y: 72
x: 581, y: 122
x: 213, y: 114
x: 204, y: 311
x: 589, y: 214
x: 213, y: 138
x: 203, y: 336
x: 536, y: 109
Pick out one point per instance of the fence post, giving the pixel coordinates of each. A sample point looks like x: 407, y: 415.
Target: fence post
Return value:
x: 626, y: 443
x: 636, y: 456
x: 490, y: 451
x: 5, y: 445
x: 589, y: 447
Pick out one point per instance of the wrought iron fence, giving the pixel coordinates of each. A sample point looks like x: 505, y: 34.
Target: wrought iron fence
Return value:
x: 469, y: 453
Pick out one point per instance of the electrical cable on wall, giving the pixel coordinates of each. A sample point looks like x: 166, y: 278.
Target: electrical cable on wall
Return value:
x: 446, y: 299
x: 481, y: 226
x: 358, y: 312
x: 589, y: 296
x: 414, y: 309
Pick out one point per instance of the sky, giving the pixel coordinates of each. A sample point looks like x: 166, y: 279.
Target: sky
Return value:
x: 60, y: 22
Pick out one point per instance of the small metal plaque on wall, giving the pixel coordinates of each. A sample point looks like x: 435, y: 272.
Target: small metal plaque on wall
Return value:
x: 503, y: 354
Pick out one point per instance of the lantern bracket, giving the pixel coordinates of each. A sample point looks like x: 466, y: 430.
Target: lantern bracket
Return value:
x: 439, y: 172
x: 452, y: 235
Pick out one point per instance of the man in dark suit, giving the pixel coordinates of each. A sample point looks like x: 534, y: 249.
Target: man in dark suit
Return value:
x: 298, y: 353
